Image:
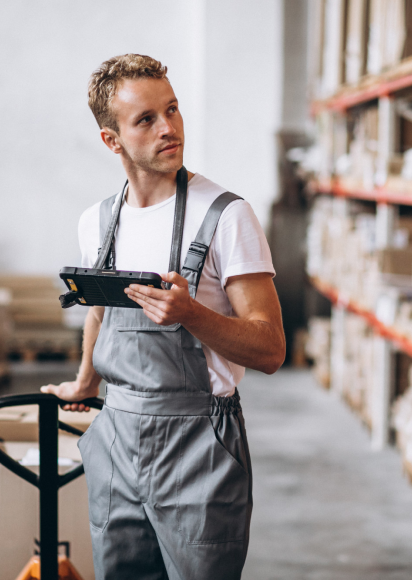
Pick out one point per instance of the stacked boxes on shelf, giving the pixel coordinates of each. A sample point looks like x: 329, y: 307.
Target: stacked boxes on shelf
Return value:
x: 341, y: 251
x: 5, y: 330
x: 364, y: 44
x: 357, y: 38
x: 37, y: 324
x: 402, y: 423
x: 318, y: 348
x: 358, y: 379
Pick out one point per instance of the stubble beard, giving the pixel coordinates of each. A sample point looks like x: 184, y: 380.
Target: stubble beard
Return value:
x: 154, y: 164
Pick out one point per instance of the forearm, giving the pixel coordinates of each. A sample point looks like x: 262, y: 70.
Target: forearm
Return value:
x: 254, y: 338
x: 87, y: 377
x: 254, y: 344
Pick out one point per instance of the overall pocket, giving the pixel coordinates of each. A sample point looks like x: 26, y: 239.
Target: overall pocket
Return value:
x: 212, y: 487
x: 95, y: 448
x: 149, y: 355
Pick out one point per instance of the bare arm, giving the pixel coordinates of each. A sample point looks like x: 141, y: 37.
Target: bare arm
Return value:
x: 87, y: 381
x: 254, y: 339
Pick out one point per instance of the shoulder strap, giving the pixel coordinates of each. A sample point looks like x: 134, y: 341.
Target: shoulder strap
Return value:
x: 198, y: 250
x: 106, y: 208
x: 107, y: 231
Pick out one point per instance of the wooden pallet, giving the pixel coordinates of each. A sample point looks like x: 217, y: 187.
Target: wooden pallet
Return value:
x: 30, y: 343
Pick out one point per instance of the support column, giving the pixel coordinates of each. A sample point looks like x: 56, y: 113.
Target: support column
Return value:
x: 337, y: 349
x: 386, y: 304
x: 382, y: 392
x: 385, y: 216
x: 386, y: 137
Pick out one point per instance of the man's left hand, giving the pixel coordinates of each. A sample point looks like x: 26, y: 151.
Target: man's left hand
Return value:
x: 164, y: 306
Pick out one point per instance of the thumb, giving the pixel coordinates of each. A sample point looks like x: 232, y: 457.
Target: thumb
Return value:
x: 175, y: 278
x: 49, y: 390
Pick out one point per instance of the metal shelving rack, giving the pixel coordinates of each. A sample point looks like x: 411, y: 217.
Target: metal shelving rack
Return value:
x: 381, y: 90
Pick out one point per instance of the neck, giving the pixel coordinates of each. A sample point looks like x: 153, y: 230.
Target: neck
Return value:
x: 148, y: 188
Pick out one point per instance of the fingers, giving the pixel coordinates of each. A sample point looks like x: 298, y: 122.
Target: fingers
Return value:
x: 143, y: 300
x: 79, y: 407
x: 57, y: 391
x: 155, y: 314
x: 155, y: 293
x: 145, y: 291
x: 164, y: 307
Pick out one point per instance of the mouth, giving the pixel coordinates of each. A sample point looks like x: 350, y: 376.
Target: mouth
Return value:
x: 170, y: 149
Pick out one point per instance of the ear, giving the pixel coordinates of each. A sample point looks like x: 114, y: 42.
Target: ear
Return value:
x: 111, y: 139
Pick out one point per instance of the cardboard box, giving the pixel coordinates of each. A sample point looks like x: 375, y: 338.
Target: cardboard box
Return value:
x: 355, y: 42
x: 20, y: 423
x: 19, y: 508
x: 395, y: 261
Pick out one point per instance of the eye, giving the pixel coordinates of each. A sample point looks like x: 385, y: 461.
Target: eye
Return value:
x: 173, y: 109
x: 145, y: 120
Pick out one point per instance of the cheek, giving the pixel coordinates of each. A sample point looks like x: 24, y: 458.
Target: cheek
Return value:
x: 181, y: 125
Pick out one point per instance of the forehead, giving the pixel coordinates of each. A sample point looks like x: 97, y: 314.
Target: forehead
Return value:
x: 142, y: 94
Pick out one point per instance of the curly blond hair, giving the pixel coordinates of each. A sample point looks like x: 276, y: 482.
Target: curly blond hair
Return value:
x: 105, y: 81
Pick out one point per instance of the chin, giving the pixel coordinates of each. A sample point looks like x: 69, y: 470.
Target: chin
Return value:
x: 170, y: 165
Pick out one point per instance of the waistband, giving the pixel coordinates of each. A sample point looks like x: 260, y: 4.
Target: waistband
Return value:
x: 170, y: 404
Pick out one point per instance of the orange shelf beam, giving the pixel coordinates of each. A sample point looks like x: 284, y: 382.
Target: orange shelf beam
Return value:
x: 380, y: 195
x: 331, y: 293
x: 346, y: 100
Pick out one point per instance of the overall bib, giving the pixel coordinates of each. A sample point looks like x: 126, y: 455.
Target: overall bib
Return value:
x: 167, y: 463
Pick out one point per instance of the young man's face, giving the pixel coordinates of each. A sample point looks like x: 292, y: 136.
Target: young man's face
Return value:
x: 150, y: 125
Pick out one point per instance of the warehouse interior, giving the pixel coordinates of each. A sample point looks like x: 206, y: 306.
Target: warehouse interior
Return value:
x: 303, y: 108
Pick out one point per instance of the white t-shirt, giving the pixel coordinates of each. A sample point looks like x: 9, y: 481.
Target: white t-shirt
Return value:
x: 143, y: 242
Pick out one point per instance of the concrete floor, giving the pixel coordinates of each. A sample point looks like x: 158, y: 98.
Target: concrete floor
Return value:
x: 326, y: 506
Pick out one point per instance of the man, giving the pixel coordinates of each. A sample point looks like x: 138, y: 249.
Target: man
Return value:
x: 166, y: 461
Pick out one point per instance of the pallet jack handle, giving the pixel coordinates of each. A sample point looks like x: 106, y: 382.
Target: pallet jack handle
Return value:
x: 48, y: 481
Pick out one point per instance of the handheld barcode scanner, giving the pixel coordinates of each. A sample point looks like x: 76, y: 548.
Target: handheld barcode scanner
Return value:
x: 97, y: 287
x: 102, y: 285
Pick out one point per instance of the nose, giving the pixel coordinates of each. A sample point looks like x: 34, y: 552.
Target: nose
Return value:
x: 166, y: 128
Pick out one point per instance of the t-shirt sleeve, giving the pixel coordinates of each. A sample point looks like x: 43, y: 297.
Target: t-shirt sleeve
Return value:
x: 89, y: 235
x: 240, y: 245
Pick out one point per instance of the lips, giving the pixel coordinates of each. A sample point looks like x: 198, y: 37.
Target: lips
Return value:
x: 171, y: 148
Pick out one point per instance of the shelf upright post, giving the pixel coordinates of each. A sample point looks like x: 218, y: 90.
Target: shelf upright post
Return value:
x: 386, y: 137
x: 337, y: 348
x: 383, y: 358
x: 325, y: 132
x: 385, y: 215
x: 338, y: 319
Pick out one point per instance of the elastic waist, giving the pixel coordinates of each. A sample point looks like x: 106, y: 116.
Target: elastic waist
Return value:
x: 170, y: 404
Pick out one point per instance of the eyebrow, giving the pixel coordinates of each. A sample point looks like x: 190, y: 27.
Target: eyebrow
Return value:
x: 144, y: 113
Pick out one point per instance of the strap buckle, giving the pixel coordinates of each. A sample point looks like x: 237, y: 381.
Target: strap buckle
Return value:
x: 196, y: 257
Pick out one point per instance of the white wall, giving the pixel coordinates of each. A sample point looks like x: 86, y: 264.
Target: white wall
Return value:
x: 224, y: 59
x: 244, y: 48
x: 295, y: 102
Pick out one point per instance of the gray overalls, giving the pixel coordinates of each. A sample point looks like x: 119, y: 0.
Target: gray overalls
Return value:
x: 167, y: 463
